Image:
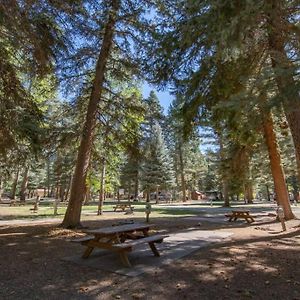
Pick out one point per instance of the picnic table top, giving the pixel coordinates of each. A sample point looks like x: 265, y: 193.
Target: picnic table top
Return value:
x: 118, y: 229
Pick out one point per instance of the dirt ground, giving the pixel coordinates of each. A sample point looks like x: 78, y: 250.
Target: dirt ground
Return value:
x: 257, y: 262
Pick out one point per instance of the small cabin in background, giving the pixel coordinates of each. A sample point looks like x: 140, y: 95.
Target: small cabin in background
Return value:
x: 195, y: 195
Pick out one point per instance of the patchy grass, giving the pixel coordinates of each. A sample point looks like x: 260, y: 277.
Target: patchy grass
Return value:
x: 89, y: 211
x: 172, y: 212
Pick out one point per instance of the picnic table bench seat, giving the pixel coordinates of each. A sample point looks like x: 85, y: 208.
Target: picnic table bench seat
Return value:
x: 129, y: 244
x: 124, y: 248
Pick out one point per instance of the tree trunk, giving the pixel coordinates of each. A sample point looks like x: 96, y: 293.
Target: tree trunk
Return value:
x: 268, y: 193
x: 295, y: 187
x: 176, y: 170
x: 87, y: 195
x: 283, y: 74
x: 282, y: 197
x: 52, y: 191
x: 72, y: 216
x: 48, y: 177
x: 118, y: 194
x: 62, y: 191
x: 57, y: 191
x: 14, y: 185
x: 248, y: 188
x: 129, y: 189
x: 183, y: 184
x: 136, y: 185
x: 249, y: 192
x: 24, y: 185
x: 225, y: 193
x: 102, y: 187
x: 68, y: 189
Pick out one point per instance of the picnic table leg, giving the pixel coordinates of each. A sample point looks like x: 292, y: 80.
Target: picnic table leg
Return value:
x: 89, y: 248
x: 154, y: 249
x: 87, y: 252
x: 124, y: 259
x: 250, y: 219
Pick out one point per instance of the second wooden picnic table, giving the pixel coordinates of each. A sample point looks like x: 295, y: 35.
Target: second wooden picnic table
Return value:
x: 123, y: 205
x: 120, y: 239
x: 240, y: 214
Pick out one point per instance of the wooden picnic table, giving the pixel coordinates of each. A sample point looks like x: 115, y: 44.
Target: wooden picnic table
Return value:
x: 240, y: 214
x: 120, y: 239
x: 123, y: 206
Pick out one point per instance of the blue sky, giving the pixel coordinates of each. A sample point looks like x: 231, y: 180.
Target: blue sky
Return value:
x: 164, y: 97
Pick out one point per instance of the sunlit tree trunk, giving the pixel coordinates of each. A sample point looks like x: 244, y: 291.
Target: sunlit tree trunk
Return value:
x: 282, y: 197
x: 72, y: 216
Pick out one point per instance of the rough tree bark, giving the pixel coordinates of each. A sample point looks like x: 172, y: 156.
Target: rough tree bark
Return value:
x: 282, y: 197
x: 72, y: 216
